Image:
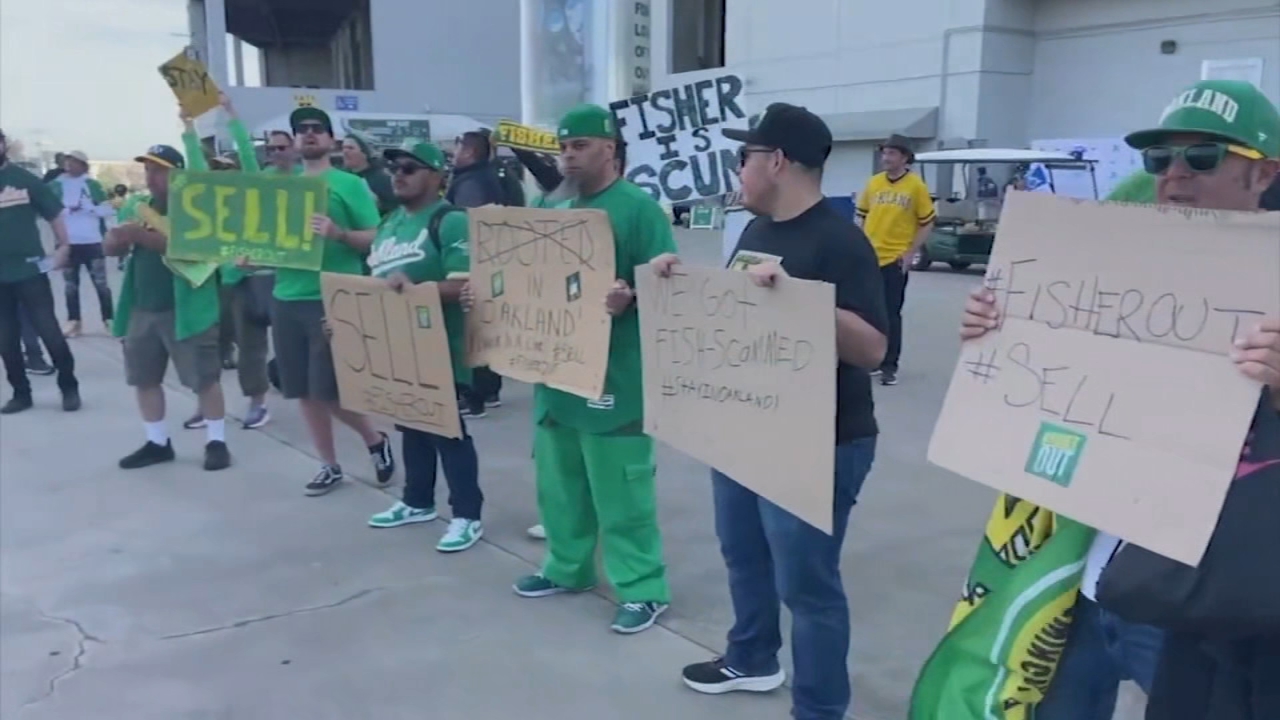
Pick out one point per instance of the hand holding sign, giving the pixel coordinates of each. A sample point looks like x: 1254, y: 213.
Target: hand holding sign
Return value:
x: 325, y: 227
x: 980, y: 314
x: 1257, y: 354
x: 619, y: 298
x: 766, y: 274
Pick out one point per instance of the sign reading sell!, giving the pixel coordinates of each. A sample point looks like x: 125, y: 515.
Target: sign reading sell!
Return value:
x: 675, y: 149
x: 391, y: 352
x: 743, y: 378
x: 1067, y: 403
x: 540, y: 278
x: 522, y: 137
x: 223, y: 216
x: 189, y: 79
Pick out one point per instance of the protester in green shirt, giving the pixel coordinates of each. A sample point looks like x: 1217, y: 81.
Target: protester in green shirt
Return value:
x: 24, y: 285
x: 426, y: 240
x: 243, y: 343
x: 357, y: 158
x: 1140, y: 187
x: 302, y: 348
x: 594, y: 463
x: 162, y: 317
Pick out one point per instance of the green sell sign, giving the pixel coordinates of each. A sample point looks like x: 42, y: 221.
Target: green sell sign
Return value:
x: 222, y: 216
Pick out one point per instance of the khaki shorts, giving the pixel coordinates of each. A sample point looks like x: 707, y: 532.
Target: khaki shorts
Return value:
x: 151, y: 342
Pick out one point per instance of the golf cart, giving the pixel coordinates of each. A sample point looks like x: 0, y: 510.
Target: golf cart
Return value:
x: 966, y: 226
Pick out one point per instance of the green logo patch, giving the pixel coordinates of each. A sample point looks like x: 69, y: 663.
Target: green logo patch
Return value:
x: 424, y: 317
x: 1055, y: 454
x: 497, y: 286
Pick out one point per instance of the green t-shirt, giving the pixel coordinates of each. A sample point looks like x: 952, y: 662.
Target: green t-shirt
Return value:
x: 23, y: 198
x: 404, y: 244
x: 1140, y: 187
x: 641, y: 232
x: 351, y: 207
x: 152, y: 279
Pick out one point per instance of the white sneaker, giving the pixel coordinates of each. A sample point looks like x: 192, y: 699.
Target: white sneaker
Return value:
x: 462, y: 534
x: 537, y: 532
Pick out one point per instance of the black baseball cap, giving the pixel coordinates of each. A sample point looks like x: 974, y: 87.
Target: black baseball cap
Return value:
x: 801, y: 135
x: 163, y: 155
x: 310, y: 113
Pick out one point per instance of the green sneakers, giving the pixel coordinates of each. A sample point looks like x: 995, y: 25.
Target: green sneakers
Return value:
x: 401, y: 514
x: 537, y: 586
x: 462, y: 534
x: 634, y: 617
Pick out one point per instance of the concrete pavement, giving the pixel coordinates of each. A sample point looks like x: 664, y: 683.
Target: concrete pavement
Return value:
x: 170, y: 593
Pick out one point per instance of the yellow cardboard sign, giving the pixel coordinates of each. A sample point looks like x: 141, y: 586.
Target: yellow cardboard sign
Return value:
x: 195, y: 273
x: 189, y: 79
x: 522, y: 137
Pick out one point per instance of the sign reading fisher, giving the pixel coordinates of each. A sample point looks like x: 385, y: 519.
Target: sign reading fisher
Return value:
x: 675, y: 149
x: 190, y: 82
x: 523, y: 137
x: 743, y: 378
x: 540, y: 278
x: 391, y: 352
x: 223, y: 216
x: 1068, y: 404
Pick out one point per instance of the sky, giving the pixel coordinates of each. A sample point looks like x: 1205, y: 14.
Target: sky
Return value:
x: 82, y: 74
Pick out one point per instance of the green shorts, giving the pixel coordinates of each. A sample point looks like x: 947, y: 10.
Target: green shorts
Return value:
x: 150, y: 344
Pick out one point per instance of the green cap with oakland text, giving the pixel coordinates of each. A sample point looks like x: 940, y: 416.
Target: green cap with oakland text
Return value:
x: 587, y: 121
x: 427, y: 153
x: 1233, y: 110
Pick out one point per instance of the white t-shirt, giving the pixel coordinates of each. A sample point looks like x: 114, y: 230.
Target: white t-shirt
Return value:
x: 83, y: 218
x: 1103, y: 549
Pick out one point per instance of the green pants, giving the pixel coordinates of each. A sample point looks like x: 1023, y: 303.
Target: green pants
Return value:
x: 600, y: 485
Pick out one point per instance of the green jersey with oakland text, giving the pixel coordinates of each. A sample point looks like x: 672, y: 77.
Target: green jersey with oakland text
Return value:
x: 23, y: 199
x: 404, y: 244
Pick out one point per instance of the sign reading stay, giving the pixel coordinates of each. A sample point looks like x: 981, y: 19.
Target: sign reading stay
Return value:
x: 522, y: 137
x: 1106, y: 394
x: 675, y: 149
x: 189, y: 79
x: 540, y: 278
x: 223, y: 216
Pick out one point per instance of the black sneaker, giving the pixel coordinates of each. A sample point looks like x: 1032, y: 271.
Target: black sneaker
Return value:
x: 147, y: 455
x: 71, y: 400
x: 716, y: 678
x: 384, y: 463
x: 17, y: 404
x: 216, y: 456
x: 889, y: 377
x: 325, y: 481
x: 39, y: 366
x: 493, y: 402
x: 472, y: 408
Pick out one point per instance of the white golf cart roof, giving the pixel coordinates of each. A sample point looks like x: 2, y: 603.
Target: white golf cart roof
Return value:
x: 997, y: 156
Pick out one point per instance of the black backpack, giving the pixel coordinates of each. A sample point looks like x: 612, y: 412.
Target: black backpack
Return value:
x: 510, y: 189
x: 433, y: 224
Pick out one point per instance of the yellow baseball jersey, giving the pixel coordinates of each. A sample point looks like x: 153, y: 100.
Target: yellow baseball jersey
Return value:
x: 892, y: 212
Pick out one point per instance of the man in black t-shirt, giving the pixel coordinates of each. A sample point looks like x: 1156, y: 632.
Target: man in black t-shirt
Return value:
x: 772, y: 555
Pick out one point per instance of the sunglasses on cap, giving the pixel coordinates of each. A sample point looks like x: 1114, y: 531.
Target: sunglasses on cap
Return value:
x: 311, y: 128
x: 407, y: 168
x: 1201, y: 157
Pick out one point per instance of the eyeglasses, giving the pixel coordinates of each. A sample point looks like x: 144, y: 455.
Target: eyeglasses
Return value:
x: 745, y: 152
x: 407, y: 169
x: 311, y: 128
x: 277, y: 148
x: 1200, y: 157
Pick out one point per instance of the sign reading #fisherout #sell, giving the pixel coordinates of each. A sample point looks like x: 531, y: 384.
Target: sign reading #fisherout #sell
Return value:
x: 224, y: 216
x: 1107, y: 393
x: 675, y: 148
x: 743, y: 378
x: 540, y: 278
x: 391, y: 352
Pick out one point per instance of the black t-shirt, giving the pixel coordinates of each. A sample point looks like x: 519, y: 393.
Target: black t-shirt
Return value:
x: 820, y: 244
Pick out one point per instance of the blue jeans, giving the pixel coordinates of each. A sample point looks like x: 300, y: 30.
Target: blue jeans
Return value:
x: 1102, y: 650
x: 421, y: 453
x: 775, y: 557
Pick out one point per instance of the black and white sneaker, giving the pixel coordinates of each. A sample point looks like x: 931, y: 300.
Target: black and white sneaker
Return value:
x: 325, y: 481
x: 716, y: 678
x: 384, y: 462
x: 889, y: 377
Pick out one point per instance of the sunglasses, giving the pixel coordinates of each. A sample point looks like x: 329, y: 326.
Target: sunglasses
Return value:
x: 746, y: 152
x: 1200, y: 157
x: 407, y: 169
x: 312, y: 128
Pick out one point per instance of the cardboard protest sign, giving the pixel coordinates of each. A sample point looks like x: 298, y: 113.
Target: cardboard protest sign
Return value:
x: 523, y: 137
x: 222, y: 216
x: 540, y: 278
x: 1107, y: 394
x: 189, y: 79
x: 675, y: 149
x: 391, y: 352
x: 744, y: 379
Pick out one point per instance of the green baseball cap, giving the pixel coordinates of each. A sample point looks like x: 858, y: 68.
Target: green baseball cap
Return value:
x: 1233, y: 110
x: 309, y: 113
x: 587, y: 121
x: 428, y: 154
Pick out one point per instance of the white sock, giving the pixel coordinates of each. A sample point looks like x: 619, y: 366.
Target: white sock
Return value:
x: 215, y: 429
x: 157, y: 432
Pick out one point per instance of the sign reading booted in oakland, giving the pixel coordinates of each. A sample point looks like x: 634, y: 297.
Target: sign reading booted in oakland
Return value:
x: 223, y: 216
x: 675, y: 148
